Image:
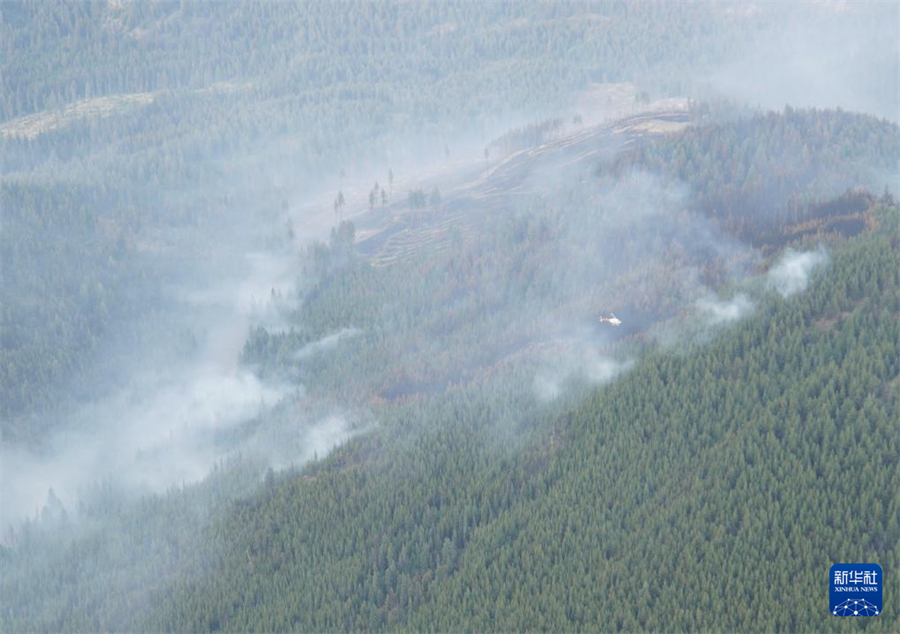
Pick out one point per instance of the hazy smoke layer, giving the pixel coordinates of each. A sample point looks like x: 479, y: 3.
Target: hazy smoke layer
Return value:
x: 179, y: 413
x: 155, y: 434
x: 821, y: 54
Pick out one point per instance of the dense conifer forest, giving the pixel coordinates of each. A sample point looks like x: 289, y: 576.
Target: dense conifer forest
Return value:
x: 244, y: 389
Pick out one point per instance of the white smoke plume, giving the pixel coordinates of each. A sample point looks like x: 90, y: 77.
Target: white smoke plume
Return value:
x: 718, y: 311
x: 575, y: 360
x: 155, y: 434
x: 326, y: 343
x: 791, y: 274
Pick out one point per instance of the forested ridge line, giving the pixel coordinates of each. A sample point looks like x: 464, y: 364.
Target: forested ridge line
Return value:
x: 764, y: 172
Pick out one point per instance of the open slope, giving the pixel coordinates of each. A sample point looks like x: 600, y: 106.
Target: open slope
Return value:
x: 469, y: 205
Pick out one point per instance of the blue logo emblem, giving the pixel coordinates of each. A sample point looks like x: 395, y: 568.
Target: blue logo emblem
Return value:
x: 856, y: 589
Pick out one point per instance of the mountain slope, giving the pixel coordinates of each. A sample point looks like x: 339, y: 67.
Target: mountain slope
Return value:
x: 704, y: 491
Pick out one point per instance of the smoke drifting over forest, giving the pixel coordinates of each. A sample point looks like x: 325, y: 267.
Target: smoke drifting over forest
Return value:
x: 302, y: 262
x: 617, y: 247
x: 791, y: 274
x: 844, y: 55
x: 326, y: 343
x: 158, y: 433
x: 171, y: 421
x: 575, y: 360
x: 719, y: 311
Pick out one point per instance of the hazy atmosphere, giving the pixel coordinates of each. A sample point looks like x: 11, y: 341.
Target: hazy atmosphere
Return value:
x: 448, y: 316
